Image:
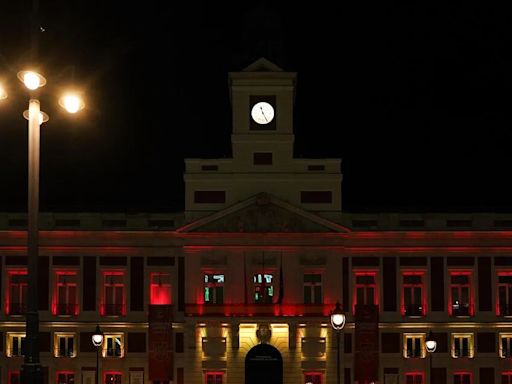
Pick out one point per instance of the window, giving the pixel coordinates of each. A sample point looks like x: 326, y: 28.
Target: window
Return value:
x: 462, y: 378
x: 15, y: 344
x: 113, y: 345
x: 14, y: 377
x: 365, y: 288
x: 263, y: 288
x: 66, y: 294
x: 505, y: 345
x: 412, y: 285
x: 462, y: 345
x: 316, y: 197
x: 506, y: 378
x: 313, y: 378
x: 460, y: 294
x: 414, y: 378
x: 64, y: 345
x: 65, y: 377
x: 112, y: 377
x: 160, y: 291
x: 214, y: 288
x: 210, y: 197
x: 262, y: 158
x: 113, y: 293
x: 505, y: 293
x: 312, y: 288
x: 17, y: 293
x: 214, y: 377
x: 414, y: 345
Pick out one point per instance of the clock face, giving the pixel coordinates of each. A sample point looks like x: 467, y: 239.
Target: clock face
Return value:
x: 262, y: 112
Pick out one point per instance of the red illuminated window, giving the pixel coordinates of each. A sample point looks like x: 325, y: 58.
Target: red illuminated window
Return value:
x: 461, y: 304
x: 66, y: 294
x: 65, y: 377
x: 14, y: 377
x: 462, y: 378
x: 506, y: 378
x: 213, y: 378
x: 505, y: 294
x: 365, y: 292
x: 213, y: 288
x: 414, y: 378
x: 112, y: 377
x: 17, y: 293
x: 313, y: 378
x: 312, y: 288
x: 113, y: 294
x: 412, y: 294
x: 263, y: 288
x: 160, y: 288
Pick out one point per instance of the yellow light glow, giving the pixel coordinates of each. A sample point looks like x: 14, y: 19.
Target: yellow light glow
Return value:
x: 71, y: 102
x: 471, y: 345
x: 3, y: 92
x: 31, y: 80
x: 421, y: 336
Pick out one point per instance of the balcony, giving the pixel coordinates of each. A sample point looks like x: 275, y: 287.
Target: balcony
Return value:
x: 67, y: 310
x: 113, y: 310
x: 462, y: 310
x: 250, y: 310
x: 413, y: 310
x: 505, y: 310
x: 17, y: 309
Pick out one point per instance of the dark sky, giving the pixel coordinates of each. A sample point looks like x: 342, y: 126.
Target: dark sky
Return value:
x: 414, y: 98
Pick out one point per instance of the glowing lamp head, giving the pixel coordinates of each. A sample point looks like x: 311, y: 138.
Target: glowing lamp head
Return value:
x: 3, y: 92
x: 430, y: 343
x: 71, y: 102
x: 43, y: 116
x: 31, y: 79
x: 337, y: 318
x: 97, y: 337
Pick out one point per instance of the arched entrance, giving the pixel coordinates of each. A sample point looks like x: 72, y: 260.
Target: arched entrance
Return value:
x: 263, y: 364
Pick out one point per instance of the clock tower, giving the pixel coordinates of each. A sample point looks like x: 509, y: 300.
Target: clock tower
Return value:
x: 262, y: 98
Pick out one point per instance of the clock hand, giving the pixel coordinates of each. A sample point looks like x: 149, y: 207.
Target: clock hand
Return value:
x: 263, y: 113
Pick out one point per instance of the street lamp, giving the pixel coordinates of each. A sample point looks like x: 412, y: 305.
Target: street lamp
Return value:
x: 97, y: 341
x: 337, y: 323
x: 31, y: 368
x: 431, y: 346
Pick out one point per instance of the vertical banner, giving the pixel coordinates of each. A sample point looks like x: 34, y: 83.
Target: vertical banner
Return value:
x: 160, y: 364
x: 366, y: 364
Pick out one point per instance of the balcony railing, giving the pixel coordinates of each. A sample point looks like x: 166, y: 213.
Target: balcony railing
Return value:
x: 67, y: 309
x: 17, y: 309
x: 505, y: 310
x: 241, y: 310
x: 113, y: 310
x: 414, y: 310
x: 462, y: 310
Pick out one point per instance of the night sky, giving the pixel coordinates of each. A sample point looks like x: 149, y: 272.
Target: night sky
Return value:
x: 416, y: 99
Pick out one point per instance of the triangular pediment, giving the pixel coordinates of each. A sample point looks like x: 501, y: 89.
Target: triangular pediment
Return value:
x: 263, y: 213
x: 262, y: 65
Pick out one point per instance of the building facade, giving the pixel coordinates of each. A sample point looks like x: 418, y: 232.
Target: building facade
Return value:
x: 240, y: 286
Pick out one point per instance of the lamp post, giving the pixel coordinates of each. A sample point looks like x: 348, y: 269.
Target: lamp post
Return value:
x: 97, y: 341
x: 337, y: 323
x: 431, y: 346
x: 31, y: 368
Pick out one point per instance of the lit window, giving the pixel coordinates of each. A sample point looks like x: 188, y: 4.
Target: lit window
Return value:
x: 160, y: 288
x: 312, y: 288
x: 113, y: 345
x: 365, y: 292
x: 414, y: 345
x: 313, y: 378
x: 505, y: 293
x: 505, y: 345
x: 462, y: 345
x: 460, y: 294
x: 112, y: 377
x: 114, y: 294
x: 462, y: 378
x: 65, y: 377
x: 15, y: 344
x: 66, y: 293
x: 263, y: 288
x: 17, y: 293
x: 14, y: 377
x: 214, y: 288
x: 213, y: 377
x: 64, y: 345
x: 414, y: 378
x: 506, y: 378
x: 412, y: 285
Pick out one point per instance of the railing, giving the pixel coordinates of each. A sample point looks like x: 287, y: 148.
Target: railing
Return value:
x: 67, y: 309
x: 414, y: 310
x: 505, y: 310
x: 17, y: 309
x: 462, y: 310
x: 240, y: 310
x: 113, y: 310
